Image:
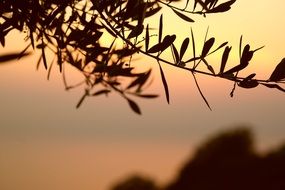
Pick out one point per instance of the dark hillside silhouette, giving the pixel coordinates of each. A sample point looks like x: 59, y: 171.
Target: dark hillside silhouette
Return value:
x: 228, y: 161
x: 73, y: 32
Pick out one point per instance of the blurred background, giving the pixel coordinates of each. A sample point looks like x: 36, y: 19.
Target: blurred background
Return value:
x: 45, y: 143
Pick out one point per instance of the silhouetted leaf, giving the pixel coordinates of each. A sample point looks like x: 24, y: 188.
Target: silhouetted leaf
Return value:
x: 279, y: 72
x: 167, y: 41
x: 2, y: 39
x: 3, y: 34
x: 183, y: 48
x: 101, y: 92
x: 207, y: 46
x: 146, y: 38
x: 59, y: 59
x: 32, y: 40
x: 193, y: 45
x: 109, y: 30
x: 156, y: 48
x: 160, y: 29
x: 24, y: 51
x: 274, y: 86
x: 42, y: 47
x: 222, y: 7
x: 11, y: 56
x: 39, y: 62
x: 125, y: 52
x: 165, y: 85
x: 225, y: 58
x: 134, y: 106
x: 186, y: 5
x: 244, y: 61
x: 152, y: 11
x: 222, y: 45
x: 200, y: 91
x: 147, y: 95
x: 82, y: 99
x: 213, y: 3
x: 240, y: 46
x: 246, y: 55
x: 175, y: 54
x: 140, y: 80
x: 184, y: 17
x: 251, y: 76
x: 195, y: 4
x: 248, y: 83
x: 211, y: 69
x: 136, y: 31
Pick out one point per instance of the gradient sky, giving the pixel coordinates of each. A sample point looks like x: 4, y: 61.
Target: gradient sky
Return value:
x: 45, y: 143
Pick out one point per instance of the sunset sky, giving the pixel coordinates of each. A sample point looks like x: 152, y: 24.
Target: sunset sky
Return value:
x: 45, y: 143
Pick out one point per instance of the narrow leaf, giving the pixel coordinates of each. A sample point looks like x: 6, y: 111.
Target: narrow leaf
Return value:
x: 146, y: 38
x: 152, y: 11
x: 222, y: 7
x: 274, y: 86
x: 279, y: 72
x: 140, y: 81
x: 193, y: 44
x: 134, y: 106
x: 39, y: 61
x: 164, y: 82
x: 207, y: 46
x: 222, y: 45
x: 2, y: 39
x: 24, y: 51
x: 156, y: 48
x: 211, y: 69
x: 175, y: 54
x: 81, y: 99
x: 101, y: 92
x: 244, y: 61
x: 182, y: 16
x: 200, y: 91
x: 167, y: 41
x: 251, y: 76
x: 44, y: 58
x: 240, y: 45
x: 184, y: 47
x: 147, y: 95
x: 49, y: 70
x: 225, y: 58
x: 11, y: 56
x: 160, y: 29
x: 186, y: 5
x: 136, y: 31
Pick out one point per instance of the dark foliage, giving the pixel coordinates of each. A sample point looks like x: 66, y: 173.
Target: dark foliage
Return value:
x: 228, y: 161
x: 136, y: 183
x: 73, y: 31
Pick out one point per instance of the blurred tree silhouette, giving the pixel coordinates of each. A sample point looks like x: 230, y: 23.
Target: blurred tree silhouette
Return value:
x: 228, y: 161
x: 136, y: 183
x: 74, y: 31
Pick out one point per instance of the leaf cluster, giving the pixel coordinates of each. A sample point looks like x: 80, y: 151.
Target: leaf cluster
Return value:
x: 73, y: 31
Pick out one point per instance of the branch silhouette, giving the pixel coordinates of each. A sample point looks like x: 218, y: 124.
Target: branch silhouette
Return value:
x: 74, y: 32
